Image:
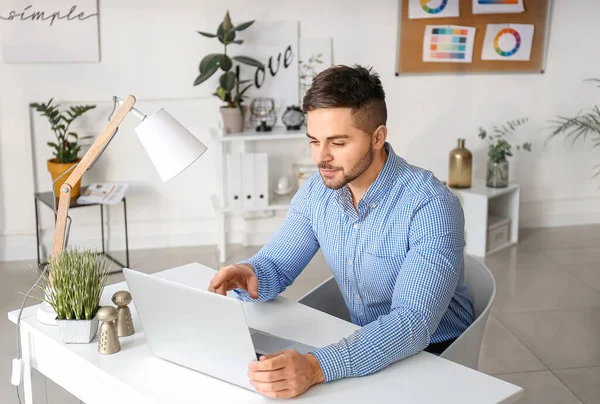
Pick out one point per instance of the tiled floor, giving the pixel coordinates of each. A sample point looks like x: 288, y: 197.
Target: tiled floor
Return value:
x: 543, y: 334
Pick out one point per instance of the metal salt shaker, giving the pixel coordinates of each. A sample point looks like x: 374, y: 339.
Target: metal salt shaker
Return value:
x: 108, y: 341
x: 124, y: 322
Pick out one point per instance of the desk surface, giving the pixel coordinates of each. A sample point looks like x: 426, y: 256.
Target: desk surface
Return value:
x: 423, y: 378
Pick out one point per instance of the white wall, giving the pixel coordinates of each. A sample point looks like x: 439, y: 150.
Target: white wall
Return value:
x: 150, y: 49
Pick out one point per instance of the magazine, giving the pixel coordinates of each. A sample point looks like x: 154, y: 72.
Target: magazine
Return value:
x: 103, y: 193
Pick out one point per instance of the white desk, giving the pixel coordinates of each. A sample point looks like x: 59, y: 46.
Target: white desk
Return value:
x: 134, y: 375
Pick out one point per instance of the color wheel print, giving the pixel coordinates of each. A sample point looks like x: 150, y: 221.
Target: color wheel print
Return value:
x: 507, y: 31
x: 431, y: 10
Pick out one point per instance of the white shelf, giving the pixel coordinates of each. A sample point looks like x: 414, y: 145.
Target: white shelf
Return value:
x: 277, y: 203
x: 479, y: 187
x: 278, y: 133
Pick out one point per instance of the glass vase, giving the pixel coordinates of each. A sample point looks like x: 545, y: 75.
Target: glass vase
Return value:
x: 497, y: 174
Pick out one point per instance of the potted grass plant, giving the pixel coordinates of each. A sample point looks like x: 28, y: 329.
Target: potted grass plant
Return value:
x: 78, y: 279
x: 66, y: 147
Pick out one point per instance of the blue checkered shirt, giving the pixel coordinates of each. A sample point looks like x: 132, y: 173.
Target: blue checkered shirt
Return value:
x: 397, y: 258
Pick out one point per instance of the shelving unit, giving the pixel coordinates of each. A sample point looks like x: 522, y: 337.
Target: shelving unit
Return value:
x: 485, y: 207
x: 244, y: 141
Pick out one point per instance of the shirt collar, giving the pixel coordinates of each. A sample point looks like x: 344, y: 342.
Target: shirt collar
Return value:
x: 379, y: 188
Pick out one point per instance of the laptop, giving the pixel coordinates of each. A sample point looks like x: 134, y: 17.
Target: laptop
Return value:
x: 200, y: 330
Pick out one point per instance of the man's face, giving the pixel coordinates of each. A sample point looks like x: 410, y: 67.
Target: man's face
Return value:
x: 341, y: 151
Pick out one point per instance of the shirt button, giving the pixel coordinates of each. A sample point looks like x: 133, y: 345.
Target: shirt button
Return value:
x: 357, y: 296
x: 356, y: 225
x: 373, y: 204
x: 350, y: 262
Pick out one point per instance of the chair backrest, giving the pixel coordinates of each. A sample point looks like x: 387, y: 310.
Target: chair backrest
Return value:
x: 327, y: 298
x: 481, y: 288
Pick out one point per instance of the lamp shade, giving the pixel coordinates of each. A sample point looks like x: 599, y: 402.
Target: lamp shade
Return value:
x: 170, y: 145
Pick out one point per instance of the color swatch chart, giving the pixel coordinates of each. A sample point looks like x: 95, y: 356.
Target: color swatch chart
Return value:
x: 448, y: 44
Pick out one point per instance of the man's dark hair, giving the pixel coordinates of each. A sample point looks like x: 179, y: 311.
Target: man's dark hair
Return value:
x: 357, y: 88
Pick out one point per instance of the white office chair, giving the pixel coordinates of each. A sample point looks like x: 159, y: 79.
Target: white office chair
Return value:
x: 481, y: 287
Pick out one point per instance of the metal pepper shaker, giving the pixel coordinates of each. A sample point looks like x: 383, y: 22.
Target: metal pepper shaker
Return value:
x: 124, y: 322
x: 108, y: 342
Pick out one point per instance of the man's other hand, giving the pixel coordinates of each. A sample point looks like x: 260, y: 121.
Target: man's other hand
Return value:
x: 285, y: 374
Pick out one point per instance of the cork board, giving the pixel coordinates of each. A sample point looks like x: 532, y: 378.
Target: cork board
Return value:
x: 411, y: 34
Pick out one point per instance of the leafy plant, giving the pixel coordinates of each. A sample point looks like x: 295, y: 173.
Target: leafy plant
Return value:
x: 66, y: 148
x: 308, y: 70
x: 585, y: 126
x: 78, y: 278
x: 226, y: 34
x: 500, y: 147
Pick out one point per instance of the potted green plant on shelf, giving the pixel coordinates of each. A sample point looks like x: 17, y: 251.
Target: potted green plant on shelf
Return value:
x: 66, y: 147
x: 228, y: 90
x: 78, y: 279
x: 584, y: 126
x: 499, y: 149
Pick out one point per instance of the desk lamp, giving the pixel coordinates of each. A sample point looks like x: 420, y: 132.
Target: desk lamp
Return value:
x: 170, y: 146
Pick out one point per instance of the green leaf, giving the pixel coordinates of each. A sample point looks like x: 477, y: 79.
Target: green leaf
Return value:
x: 208, y: 61
x: 249, y: 61
x: 227, y: 81
x: 206, y: 34
x: 243, y: 26
x: 229, y: 36
x: 206, y: 75
x: 238, y: 41
x: 225, y: 63
x: 221, y: 93
x: 221, y: 33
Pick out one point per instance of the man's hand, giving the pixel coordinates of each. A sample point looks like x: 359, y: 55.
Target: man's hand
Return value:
x: 285, y: 374
x: 240, y: 276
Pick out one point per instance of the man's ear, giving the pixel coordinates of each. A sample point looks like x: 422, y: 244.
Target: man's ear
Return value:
x: 379, y: 137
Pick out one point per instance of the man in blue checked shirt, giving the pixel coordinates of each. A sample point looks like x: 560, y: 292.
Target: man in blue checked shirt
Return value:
x: 391, y: 233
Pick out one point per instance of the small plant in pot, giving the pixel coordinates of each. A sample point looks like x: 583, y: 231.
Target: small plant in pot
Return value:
x: 67, y: 147
x: 78, y: 279
x: 499, y: 149
x: 228, y: 90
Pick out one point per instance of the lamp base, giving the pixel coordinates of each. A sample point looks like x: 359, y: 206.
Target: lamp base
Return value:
x: 46, y: 314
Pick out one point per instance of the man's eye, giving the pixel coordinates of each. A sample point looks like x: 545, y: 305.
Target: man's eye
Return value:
x: 314, y: 142
x: 338, y: 144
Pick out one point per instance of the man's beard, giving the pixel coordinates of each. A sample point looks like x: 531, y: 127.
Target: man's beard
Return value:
x: 359, y: 168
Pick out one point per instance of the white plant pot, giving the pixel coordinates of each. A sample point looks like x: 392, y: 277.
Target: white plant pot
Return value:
x: 233, y: 119
x: 77, y: 331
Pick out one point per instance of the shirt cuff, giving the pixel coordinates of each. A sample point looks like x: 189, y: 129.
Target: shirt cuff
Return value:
x: 267, y: 285
x: 334, y: 361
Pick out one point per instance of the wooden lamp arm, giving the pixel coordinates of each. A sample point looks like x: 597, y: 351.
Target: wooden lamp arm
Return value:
x: 65, y: 191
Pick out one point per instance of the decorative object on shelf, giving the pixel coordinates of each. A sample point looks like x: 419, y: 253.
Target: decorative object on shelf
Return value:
x: 460, y: 172
x: 67, y: 147
x: 108, y: 338
x: 78, y: 279
x: 585, y: 126
x: 124, y: 321
x: 283, y: 186
x: 233, y: 112
x: 293, y: 117
x: 499, y: 150
x: 262, y: 114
